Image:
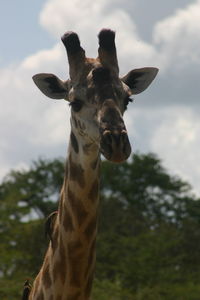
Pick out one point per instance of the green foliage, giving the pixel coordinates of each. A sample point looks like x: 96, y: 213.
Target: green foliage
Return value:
x: 26, y: 197
x: 149, y: 231
x: 107, y: 289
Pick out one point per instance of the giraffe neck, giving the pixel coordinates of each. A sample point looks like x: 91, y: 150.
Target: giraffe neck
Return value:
x: 78, y: 217
x: 68, y: 267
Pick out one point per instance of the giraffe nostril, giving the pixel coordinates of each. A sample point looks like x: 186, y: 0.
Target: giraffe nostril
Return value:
x: 115, y: 137
x: 124, y: 136
x: 123, y: 132
x: 107, y: 135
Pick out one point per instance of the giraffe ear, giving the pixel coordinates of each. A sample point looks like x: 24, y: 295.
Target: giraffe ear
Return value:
x: 52, y: 86
x: 139, y: 79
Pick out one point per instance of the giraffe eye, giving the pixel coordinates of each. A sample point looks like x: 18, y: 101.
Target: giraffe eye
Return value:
x: 126, y: 102
x: 76, y: 104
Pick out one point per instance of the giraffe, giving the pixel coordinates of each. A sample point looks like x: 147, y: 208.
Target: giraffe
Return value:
x: 98, y: 98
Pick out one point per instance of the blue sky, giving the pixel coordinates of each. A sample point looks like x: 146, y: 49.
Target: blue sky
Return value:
x: 20, y: 30
x: 164, y: 119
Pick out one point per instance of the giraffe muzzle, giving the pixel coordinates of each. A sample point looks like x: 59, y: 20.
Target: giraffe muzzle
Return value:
x: 115, y: 145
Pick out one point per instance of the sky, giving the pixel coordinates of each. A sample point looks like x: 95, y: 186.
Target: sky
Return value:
x: 164, y: 119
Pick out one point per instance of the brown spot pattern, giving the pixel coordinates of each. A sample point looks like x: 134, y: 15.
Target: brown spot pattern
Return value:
x: 74, y: 296
x: 90, y: 93
x: 62, y: 250
x: 75, y: 263
x: 76, y: 173
x: 94, y: 191
x: 36, y: 286
x: 74, y: 142
x: 88, y: 286
x: 77, y: 207
x: 91, y: 258
x: 75, y: 256
x: 90, y: 228
x: 81, y: 125
x: 55, y: 240
x: 74, y: 247
x: 59, y: 267
x: 95, y: 163
x: 62, y: 261
x: 75, y: 122
x: 46, y: 275
x: 55, y: 270
x: 86, y: 148
x: 40, y: 296
x: 67, y: 222
x: 59, y: 270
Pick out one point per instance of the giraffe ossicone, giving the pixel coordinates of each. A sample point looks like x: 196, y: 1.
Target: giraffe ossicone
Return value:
x: 98, y: 98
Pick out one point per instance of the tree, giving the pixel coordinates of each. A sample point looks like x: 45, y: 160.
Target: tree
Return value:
x: 149, y: 235
x: 26, y: 198
x: 149, y: 228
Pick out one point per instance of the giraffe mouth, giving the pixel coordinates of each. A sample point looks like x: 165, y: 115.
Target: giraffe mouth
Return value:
x: 115, y: 146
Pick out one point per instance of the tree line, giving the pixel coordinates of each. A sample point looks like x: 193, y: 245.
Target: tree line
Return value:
x: 148, y: 245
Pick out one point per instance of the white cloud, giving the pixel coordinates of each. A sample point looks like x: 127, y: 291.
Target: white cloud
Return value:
x: 177, y: 139
x: 178, y: 37
x: 73, y: 15
x: 182, y: 24
x: 28, y: 123
x: 55, y: 126
x: 45, y: 59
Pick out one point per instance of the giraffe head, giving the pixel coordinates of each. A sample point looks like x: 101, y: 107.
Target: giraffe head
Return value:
x: 97, y: 95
